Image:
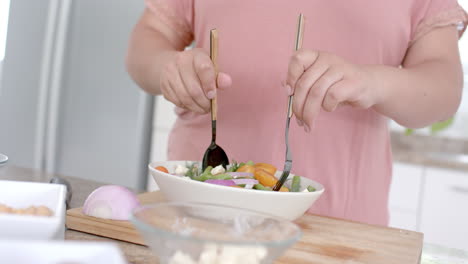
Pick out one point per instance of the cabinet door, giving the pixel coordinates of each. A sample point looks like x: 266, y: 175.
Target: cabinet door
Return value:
x: 164, y: 118
x: 404, y: 195
x: 405, y: 187
x: 403, y: 220
x: 164, y: 114
x: 445, y: 208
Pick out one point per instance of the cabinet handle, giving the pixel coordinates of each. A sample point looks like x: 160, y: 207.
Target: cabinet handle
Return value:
x: 459, y: 189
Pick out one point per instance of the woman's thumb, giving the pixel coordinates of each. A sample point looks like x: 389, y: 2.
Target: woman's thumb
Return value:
x: 224, y: 80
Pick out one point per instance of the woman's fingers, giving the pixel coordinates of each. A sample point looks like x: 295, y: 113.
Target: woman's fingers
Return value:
x: 298, y: 64
x: 192, y: 83
x: 323, y: 80
x: 346, y: 92
x: 224, y: 80
x: 316, y: 95
x: 340, y: 93
x: 206, y: 73
x: 182, y: 94
x: 189, y: 81
x: 169, y: 94
x: 303, y: 88
x: 194, y: 90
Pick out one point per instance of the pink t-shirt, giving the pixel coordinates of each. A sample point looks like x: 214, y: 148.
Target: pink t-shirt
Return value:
x: 349, y: 149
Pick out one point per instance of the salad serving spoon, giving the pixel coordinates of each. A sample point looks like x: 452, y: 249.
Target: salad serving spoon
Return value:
x: 214, y: 154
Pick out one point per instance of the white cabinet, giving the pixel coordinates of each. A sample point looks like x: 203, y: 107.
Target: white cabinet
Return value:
x: 445, y: 208
x: 164, y: 118
x: 404, y: 197
x: 405, y: 187
x: 403, y: 220
x: 432, y: 201
x: 164, y: 114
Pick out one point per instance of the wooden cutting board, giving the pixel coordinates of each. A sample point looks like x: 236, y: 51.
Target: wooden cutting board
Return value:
x: 325, y: 240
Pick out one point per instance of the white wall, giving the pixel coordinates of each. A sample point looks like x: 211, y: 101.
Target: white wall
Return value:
x: 4, y: 10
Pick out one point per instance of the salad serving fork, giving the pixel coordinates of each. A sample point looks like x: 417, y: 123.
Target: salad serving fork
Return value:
x: 288, y: 161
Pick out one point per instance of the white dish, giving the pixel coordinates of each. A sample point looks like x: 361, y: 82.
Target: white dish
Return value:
x: 287, y: 205
x: 24, y: 194
x: 47, y: 252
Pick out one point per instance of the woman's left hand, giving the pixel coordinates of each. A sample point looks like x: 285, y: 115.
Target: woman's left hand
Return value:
x: 323, y: 80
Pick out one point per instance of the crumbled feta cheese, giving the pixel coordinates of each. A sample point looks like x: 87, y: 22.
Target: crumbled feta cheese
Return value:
x: 209, y: 255
x: 218, y: 170
x: 213, y: 254
x: 249, y: 186
x: 181, y: 258
x: 181, y: 170
x: 305, y: 190
x: 247, y: 255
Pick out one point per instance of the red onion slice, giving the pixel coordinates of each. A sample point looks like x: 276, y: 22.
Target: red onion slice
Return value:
x: 111, y: 202
x: 221, y: 182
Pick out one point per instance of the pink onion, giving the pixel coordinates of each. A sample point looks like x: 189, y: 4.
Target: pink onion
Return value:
x: 245, y: 181
x: 241, y: 174
x: 222, y: 182
x: 111, y: 202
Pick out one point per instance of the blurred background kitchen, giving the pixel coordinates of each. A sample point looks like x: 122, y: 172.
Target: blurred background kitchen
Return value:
x: 68, y: 106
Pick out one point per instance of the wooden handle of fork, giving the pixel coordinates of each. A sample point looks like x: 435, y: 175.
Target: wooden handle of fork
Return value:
x: 297, y: 46
x: 214, y: 59
x: 299, y: 32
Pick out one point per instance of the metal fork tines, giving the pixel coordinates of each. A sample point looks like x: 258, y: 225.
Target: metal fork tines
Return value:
x: 288, y: 162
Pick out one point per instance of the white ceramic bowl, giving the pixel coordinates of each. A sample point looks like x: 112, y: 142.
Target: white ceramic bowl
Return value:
x: 24, y: 194
x: 287, y: 205
x: 47, y: 252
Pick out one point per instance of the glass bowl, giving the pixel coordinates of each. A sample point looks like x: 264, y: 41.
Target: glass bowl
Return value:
x: 191, y: 233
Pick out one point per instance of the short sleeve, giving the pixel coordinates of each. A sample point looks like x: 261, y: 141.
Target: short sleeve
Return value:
x: 431, y: 14
x: 177, y: 15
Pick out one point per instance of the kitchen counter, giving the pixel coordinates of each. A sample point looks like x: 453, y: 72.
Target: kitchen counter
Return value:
x: 430, y: 151
x: 81, y: 189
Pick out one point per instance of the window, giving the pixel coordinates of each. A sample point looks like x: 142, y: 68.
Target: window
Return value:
x: 4, y: 9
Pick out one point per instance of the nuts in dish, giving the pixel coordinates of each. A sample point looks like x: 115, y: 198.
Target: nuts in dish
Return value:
x: 31, y: 210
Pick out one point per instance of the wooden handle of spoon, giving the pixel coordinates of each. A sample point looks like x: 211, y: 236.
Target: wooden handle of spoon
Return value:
x: 297, y: 46
x: 214, y: 59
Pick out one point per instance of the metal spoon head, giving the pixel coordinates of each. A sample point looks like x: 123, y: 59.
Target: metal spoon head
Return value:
x: 215, y: 156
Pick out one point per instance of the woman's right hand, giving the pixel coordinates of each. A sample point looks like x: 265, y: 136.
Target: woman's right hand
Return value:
x: 189, y: 80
